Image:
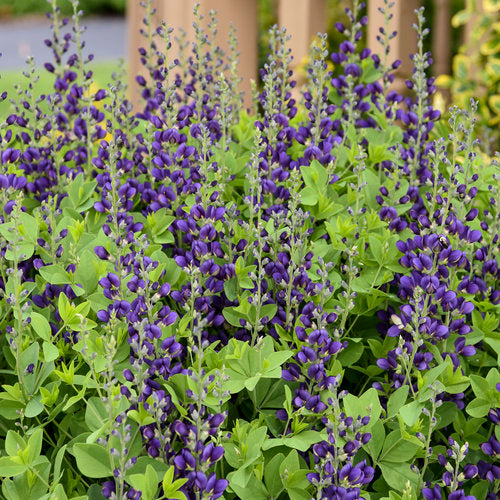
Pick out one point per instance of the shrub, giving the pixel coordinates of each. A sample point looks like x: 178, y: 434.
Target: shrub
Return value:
x: 476, y: 68
x: 296, y: 303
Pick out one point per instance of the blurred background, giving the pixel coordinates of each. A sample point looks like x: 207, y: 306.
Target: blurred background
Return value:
x: 22, y: 7
x: 22, y: 20
x: 465, y: 37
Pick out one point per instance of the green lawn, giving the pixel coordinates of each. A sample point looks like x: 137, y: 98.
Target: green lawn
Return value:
x: 102, y: 76
x: 20, y: 7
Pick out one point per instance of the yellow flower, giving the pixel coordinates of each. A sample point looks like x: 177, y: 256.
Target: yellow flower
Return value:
x: 439, y: 102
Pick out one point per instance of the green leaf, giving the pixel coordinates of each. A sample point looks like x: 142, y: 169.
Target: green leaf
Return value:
x: 232, y: 316
x: 10, y: 233
x: 29, y: 227
x: 290, y: 464
x: 396, y: 401
x: 297, y: 480
x: 301, y: 442
x: 147, y: 482
x: 242, y: 476
x: 272, y: 363
x: 30, y: 357
x: 35, y: 445
x: 429, y: 378
x: 50, y: 351
x: 493, y: 378
x: 60, y: 494
x: 97, y: 301
x: 367, y: 404
x: 231, y: 289
x: 454, y: 381
x: 370, y: 73
x: 480, y: 386
x: 315, y: 176
x: 478, y: 407
x: 80, y: 194
x: 298, y: 494
x: 55, y: 274
x: 268, y: 310
x: 396, y: 475
x: 143, y: 462
x: 86, y: 273
x: 96, y: 414
x: 411, y: 412
x: 9, y: 468
x: 396, y: 449
x: 372, y: 188
x: 171, y: 487
x: 93, y: 460
x: 377, y: 441
x: 10, y: 409
x: 58, y: 461
x: 272, y: 477
x: 14, y: 443
x: 254, y: 489
x: 40, y: 326
x: 351, y: 353
x: 446, y: 414
x: 376, y: 248
x: 480, y: 490
x: 158, y: 224
x: 34, y: 407
x: 378, y: 154
x: 233, y: 163
x: 370, y: 277
x: 309, y: 196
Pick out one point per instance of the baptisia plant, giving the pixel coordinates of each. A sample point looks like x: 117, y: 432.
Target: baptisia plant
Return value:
x: 199, y: 301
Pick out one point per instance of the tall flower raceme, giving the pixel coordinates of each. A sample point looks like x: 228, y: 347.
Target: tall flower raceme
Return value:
x: 445, y: 284
x: 315, y: 350
x: 189, y: 293
x: 324, y: 133
x: 336, y: 476
x: 442, y: 255
x: 151, y: 358
x: 420, y: 115
x: 58, y: 142
x: 278, y: 106
x: 428, y: 264
x: 353, y: 95
x: 453, y: 478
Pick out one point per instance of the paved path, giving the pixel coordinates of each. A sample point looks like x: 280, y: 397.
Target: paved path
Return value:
x: 19, y: 38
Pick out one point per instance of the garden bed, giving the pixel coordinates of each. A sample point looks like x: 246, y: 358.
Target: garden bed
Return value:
x: 199, y: 301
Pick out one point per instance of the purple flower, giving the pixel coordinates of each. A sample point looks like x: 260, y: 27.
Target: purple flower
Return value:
x: 432, y: 494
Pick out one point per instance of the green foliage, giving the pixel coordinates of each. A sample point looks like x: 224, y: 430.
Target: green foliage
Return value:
x: 476, y: 68
x: 108, y: 348
x: 41, y: 7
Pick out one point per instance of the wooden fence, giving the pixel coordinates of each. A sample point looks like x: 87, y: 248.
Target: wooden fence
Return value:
x: 303, y: 19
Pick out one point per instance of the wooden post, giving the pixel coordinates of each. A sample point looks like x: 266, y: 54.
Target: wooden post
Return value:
x: 470, y: 34
x: 243, y: 14
x: 405, y: 43
x: 472, y: 39
x: 179, y: 14
x: 441, y: 37
x: 303, y: 20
